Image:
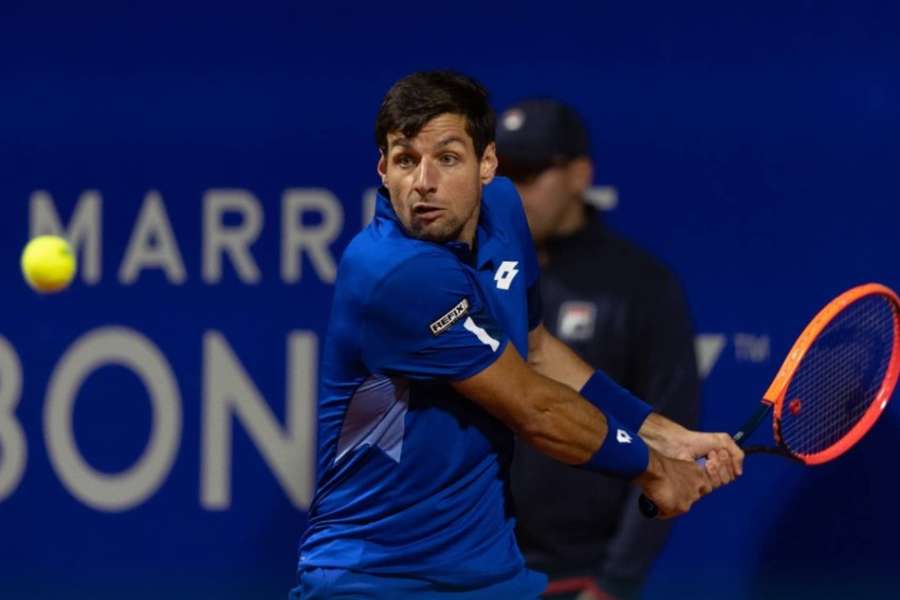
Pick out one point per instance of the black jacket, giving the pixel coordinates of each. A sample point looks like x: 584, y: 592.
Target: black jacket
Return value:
x: 622, y: 311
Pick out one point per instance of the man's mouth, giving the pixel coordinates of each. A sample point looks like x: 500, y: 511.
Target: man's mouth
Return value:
x: 426, y: 212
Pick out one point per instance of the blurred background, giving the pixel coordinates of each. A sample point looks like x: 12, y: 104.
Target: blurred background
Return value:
x: 211, y: 162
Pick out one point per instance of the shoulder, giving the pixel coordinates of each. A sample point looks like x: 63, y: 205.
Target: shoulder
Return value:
x: 652, y: 286
x: 373, y: 255
x: 503, y: 188
x: 422, y: 272
x: 411, y: 295
x: 378, y: 268
x: 503, y: 206
x: 651, y: 270
x: 500, y: 195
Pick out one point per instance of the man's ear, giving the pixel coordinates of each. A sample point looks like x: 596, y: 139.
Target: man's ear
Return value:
x: 488, y: 165
x: 580, y: 175
x: 382, y: 166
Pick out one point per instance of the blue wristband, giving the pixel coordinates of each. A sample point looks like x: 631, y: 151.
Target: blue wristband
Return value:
x: 623, y: 454
x: 611, y: 398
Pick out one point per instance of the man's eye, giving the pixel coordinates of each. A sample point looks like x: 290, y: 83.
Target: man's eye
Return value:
x: 449, y: 159
x: 404, y: 160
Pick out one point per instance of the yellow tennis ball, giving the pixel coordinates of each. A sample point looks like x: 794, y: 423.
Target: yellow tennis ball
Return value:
x: 48, y: 264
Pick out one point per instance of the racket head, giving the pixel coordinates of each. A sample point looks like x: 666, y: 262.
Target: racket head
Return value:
x: 839, y: 375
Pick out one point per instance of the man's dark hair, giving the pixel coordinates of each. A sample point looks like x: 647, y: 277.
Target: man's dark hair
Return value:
x: 420, y: 97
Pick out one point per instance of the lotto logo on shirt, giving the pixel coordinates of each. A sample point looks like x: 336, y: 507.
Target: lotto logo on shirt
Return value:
x: 506, y: 273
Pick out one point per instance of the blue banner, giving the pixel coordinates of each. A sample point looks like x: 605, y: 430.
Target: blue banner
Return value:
x: 210, y: 164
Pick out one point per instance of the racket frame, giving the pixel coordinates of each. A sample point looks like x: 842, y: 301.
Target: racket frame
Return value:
x: 774, y: 396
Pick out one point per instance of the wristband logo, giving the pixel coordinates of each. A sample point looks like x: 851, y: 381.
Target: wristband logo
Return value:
x: 622, y: 436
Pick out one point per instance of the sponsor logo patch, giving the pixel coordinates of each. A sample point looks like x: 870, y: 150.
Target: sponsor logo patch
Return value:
x: 576, y: 320
x: 452, y: 316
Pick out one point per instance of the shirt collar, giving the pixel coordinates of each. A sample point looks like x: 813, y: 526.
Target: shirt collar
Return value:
x: 383, y: 206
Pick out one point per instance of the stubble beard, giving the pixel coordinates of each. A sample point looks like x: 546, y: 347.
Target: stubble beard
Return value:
x: 439, y: 233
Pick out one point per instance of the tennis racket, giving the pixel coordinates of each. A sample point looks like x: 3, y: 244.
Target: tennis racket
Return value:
x: 834, y: 384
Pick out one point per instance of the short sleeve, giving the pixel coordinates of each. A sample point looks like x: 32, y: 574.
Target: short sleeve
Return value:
x: 535, y: 305
x: 519, y: 220
x: 427, y: 319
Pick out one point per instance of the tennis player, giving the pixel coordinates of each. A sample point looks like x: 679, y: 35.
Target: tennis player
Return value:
x: 436, y: 357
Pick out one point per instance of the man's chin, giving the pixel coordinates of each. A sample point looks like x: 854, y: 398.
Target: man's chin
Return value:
x: 438, y: 235
x: 436, y: 238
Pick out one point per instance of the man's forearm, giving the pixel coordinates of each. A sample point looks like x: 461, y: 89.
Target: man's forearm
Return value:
x: 546, y: 413
x: 555, y: 360
x: 658, y: 431
x: 555, y: 420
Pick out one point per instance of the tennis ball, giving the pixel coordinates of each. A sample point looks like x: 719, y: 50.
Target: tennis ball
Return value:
x: 48, y: 264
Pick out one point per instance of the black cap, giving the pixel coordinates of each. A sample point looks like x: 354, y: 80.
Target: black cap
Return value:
x: 538, y: 133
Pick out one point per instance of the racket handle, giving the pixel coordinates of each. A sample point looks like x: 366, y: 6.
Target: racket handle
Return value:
x: 648, y: 507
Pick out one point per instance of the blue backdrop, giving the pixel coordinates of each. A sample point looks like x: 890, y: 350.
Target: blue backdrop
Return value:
x: 211, y: 164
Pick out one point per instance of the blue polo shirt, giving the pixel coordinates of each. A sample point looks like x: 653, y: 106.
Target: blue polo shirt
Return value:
x: 412, y: 476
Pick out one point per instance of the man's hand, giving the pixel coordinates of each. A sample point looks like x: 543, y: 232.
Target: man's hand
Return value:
x: 673, y: 484
x: 724, y: 459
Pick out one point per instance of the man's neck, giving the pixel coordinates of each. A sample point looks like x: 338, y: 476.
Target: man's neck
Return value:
x: 573, y: 220
x: 467, y: 234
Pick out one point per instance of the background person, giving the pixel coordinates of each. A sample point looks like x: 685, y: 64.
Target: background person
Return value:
x: 623, y: 312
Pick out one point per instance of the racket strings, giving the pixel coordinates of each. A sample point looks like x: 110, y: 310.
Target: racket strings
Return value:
x: 850, y: 377
x: 839, y: 377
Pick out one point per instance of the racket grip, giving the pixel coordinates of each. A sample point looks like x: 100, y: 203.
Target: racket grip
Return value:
x: 648, y: 508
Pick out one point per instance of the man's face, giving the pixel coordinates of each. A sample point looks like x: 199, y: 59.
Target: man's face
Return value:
x: 435, y: 179
x: 546, y: 198
x: 553, y: 198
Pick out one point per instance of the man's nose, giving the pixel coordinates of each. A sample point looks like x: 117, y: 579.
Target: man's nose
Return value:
x: 426, y: 178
